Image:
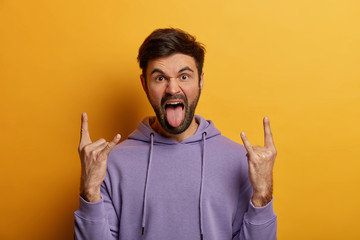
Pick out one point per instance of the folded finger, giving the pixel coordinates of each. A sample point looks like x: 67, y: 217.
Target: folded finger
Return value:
x: 112, y: 144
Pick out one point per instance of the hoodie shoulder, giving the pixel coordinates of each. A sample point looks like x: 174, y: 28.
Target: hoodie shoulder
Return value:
x: 129, y: 145
x: 228, y: 144
x: 129, y: 154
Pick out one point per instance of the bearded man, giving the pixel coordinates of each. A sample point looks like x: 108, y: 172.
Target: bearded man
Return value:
x: 175, y: 177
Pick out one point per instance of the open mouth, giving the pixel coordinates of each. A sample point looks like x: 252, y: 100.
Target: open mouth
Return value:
x: 174, y: 113
x: 174, y: 105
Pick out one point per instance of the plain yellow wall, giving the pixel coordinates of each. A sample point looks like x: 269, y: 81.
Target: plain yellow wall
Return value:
x: 296, y: 61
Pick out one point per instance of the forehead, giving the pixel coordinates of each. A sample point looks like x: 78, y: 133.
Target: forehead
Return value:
x: 172, y: 64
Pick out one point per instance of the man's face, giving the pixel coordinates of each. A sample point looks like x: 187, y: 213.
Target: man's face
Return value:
x: 173, y: 89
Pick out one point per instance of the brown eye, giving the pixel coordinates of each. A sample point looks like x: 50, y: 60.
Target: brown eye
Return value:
x: 184, y: 77
x: 159, y: 78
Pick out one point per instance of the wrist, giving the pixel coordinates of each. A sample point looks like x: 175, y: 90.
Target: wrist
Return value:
x: 91, y: 195
x: 261, y: 199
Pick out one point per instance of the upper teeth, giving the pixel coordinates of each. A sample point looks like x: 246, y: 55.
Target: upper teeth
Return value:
x: 174, y: 103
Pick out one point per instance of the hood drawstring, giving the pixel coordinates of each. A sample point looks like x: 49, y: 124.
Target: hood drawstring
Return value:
x: 202, y: 185
x: 146, y: 182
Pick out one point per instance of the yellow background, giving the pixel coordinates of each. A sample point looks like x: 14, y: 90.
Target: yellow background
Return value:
x: 295, y: 61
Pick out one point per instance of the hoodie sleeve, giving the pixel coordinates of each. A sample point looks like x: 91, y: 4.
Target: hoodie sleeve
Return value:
x: 259, y: 223
x: 94, y: 221
x: 253, y: 223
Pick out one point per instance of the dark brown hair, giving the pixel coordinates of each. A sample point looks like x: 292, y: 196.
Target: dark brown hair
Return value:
x: 165, y: 41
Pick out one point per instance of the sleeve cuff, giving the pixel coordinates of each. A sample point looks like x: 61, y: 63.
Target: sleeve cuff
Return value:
x: 91, y: 211
x: 260, y: 215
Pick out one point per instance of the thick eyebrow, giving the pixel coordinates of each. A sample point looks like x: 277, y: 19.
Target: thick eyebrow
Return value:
x: 185, y: 68
x: 156, y: 70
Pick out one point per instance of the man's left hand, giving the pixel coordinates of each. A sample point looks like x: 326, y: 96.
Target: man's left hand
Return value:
x: 261, y: 162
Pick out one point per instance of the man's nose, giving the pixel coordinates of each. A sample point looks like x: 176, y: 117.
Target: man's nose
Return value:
x: 173, y: 86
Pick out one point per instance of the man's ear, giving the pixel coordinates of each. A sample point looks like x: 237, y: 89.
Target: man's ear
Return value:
x: 143, y: 83
x: 201, y: 81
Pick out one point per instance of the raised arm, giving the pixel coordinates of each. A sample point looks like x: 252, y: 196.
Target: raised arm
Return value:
x: 92, y: 219
x: 93, y: 156
x: 259, y: 221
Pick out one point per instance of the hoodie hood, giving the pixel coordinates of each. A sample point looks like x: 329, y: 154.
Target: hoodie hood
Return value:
x: 144, y: 131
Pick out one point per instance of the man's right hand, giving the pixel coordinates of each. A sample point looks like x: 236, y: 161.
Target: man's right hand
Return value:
x: 93, y: 156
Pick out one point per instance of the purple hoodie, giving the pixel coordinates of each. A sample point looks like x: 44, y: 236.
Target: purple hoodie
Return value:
x: 158, y: 189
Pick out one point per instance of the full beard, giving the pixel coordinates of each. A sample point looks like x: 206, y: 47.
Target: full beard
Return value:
x: 189, y: 113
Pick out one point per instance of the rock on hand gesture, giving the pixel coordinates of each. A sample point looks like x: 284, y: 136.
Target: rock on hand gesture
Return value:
x: 261, y: 162
x: 93, y: 156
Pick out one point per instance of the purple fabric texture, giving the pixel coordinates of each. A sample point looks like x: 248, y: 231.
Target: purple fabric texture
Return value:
x: 158, y: 189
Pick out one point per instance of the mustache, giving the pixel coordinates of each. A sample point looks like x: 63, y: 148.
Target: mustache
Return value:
x: 171, y: 97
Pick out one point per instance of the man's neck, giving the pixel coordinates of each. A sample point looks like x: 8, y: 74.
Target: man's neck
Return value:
x: 190, y: 131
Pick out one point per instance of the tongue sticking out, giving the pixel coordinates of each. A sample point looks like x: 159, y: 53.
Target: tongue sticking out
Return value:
x: 174, y: 115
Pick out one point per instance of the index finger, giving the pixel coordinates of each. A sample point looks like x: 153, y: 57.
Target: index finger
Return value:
x: 268, y: 138
x: 247, y: 144
x: 84, y: 134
